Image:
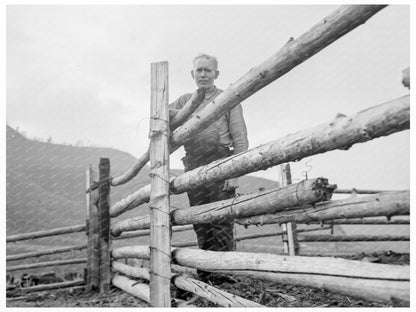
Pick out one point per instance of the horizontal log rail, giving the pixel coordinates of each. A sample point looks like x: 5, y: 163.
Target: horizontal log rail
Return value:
x: 53, y: 286
x: 359, y: 191
x: 368, y: 221
x: 253, y: 236
x: 46, y: 233
x: 305, y: 192
x: 341, y: 133
x: 45, y: 252
x: 293, y: 53
x: 134, y: 288
x: 377, y: 205
x: 141, y: 233
x: 45, y: 264
x: 370, y: 281
x: 199, y: 288
x: 352, y: 238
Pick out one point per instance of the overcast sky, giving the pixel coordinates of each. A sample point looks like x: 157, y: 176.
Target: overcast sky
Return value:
x: 83, y: 73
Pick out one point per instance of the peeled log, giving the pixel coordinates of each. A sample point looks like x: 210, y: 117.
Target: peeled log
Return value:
x: 213, y: 294
x: 333, y: 27
x: 46, y: 233
x: 138, y: 290
x: 130, y: 271
x: 371, y: 281
x: 294, y: 195
x: 175, y: 122
x: 353, y: 238
x: 45, y: 264
x: 383, y: 204
x: 53, y: 286
x: 341, y: 133
x: 365, y: 280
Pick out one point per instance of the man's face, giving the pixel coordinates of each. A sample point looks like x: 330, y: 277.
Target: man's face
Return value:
x: 204, y: 73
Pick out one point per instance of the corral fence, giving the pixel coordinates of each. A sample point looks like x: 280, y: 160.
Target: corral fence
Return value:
x: 29, y: 282
x: 306, y: 202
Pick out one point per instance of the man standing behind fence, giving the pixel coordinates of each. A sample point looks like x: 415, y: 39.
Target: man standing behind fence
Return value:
x: 225, y: 137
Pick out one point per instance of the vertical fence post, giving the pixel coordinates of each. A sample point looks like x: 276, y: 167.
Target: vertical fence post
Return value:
x: 104, y: 224
x: 159, y: 198
x: 91, y: 274
x: 291, y: 246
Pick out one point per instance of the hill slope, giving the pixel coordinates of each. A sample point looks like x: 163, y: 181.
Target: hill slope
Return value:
x: 46, y: 183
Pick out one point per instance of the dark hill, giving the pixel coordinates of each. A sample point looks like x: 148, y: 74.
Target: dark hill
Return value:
x: 46, y: 183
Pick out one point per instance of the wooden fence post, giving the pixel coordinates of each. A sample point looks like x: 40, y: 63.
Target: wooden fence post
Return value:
x: 92, y: 278
x: 104, y: 224
x: 291, y: 246
x: 159, y: 198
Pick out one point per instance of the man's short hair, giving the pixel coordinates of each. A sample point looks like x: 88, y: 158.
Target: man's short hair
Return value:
x: 208, y: 57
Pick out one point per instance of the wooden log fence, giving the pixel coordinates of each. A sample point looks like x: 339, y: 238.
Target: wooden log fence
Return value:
x: 293, y: 53
x: 371, y: 281
x: 353, y: 238
x: 93, y: 252
x: 27, y: 266
x: 45, y: 252
x: 46, y: 233
x: 307, y: 191
x: 368, y: 221
x: 341, y: 133
x: 383, y: 204
x: 53, y: 286
x: 159, y: 196
x: 141, y: 233
x: 197, y: 287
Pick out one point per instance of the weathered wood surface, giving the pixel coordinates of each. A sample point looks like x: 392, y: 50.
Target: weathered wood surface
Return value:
x: 176, y: 121
x: 378, y: 281
x: 189, y: 284
x: 104, y: 225
x: 279, y: 233
x: 306, y: 192
x: 45, y: 264
x: 138, y: 290
x: 53, y: 286
x: 371, y: 281
x: 352, y: 238
x: 359, y: 191
x: 293, y: 53
x: 406, y: 77
x: 130, y: 271
x: 253, y: 236
x: 341, y: 133
x: 291, y: 245
x: 213, y: 294
x: 159, y: 205
x: 93, y: 252
x: 46, y: 233
x: 44, y: 252
x: 365, y: 221
x: 383, y: 204
x: 141, y: 233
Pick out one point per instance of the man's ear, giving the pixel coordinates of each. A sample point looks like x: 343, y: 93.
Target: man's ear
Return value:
x: 217, y: 73
x: 192, y: 74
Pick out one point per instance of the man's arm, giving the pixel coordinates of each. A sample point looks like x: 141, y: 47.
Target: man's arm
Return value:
x: 238, y: 133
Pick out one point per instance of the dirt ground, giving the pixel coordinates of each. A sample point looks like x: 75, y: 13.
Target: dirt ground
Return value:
x: 270, y: 294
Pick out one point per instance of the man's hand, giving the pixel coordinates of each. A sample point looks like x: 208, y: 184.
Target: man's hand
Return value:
x: 198, y: 96
x: 230, y: 185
